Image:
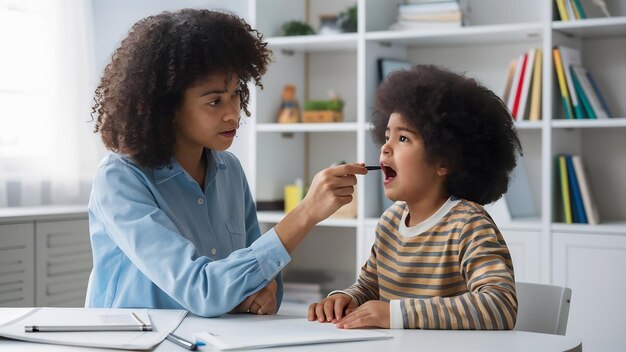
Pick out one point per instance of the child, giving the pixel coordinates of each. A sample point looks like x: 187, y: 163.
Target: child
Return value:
x: 171, y: 217
x: 439, y: 261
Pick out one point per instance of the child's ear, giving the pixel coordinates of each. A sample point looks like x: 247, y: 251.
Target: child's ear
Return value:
x: 442, y: 169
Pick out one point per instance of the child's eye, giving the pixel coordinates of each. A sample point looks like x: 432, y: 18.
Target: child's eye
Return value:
x: 213, y: 102
x: 386, y: 138
x: 403, y: 139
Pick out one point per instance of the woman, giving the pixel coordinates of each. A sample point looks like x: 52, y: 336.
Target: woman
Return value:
x: 172, y: 220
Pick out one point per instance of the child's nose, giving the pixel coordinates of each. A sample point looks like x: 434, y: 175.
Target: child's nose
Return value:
x: 385, y: 149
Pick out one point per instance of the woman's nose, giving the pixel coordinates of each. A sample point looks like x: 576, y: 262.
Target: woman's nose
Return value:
x: 233, y: 111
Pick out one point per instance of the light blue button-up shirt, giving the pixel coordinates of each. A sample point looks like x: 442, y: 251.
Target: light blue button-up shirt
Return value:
x: 160, y: 241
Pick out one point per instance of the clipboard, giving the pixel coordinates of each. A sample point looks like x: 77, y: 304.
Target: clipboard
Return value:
x: 162, y: 321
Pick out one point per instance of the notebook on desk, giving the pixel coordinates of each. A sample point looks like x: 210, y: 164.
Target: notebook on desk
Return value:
x: 100, y: 327
x: 241, y: 333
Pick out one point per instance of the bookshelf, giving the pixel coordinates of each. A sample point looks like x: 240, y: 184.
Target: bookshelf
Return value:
x: 496, y: 31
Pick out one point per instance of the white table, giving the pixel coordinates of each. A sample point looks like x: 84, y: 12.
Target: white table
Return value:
x: 403, y: 340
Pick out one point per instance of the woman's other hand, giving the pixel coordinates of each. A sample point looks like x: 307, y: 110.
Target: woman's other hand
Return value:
x: 260, y: 302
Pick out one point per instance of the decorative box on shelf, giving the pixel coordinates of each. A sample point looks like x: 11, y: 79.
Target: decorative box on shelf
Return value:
x: 322, y: 116
x: 320, y: 111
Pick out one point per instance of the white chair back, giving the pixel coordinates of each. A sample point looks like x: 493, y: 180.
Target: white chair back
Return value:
x: 542, y: 308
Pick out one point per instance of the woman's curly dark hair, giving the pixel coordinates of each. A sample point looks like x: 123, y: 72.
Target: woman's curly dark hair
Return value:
x: 161, y: 57
x: 464, y: 125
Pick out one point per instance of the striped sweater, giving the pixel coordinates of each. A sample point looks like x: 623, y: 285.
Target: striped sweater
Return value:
x: 457, y: 274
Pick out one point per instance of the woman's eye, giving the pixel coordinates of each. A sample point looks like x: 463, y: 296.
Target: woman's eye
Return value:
x: 213, y: 102
x: 403, y: 139
x: 386, y: 138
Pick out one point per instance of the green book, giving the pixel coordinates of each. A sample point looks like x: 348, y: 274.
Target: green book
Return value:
x: 579, y: 9
x: 565, y: 193
x: 581, y: 94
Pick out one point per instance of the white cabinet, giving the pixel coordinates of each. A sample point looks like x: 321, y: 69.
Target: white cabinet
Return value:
x: 64, y: 262
x: 17, y: 269
x: 45, y: 257
x: 592, y: 265
x: 525, y: 248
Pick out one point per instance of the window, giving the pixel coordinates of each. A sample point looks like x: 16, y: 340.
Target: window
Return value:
x: 47, y: 153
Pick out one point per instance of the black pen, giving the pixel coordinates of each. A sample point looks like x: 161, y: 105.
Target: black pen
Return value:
x: 182, y: 342
x: 373, y: 167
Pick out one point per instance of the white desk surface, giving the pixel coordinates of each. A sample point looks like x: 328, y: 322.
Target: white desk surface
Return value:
x: 403, y: 340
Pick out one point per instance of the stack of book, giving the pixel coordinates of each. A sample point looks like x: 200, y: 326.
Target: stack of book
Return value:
x: 428, y: 14
x: 306, y: 286
x: 575, y: 204
x: 522, y: 93
x: 580, y: 95
x: 302, y: 292
x: 570, y: 10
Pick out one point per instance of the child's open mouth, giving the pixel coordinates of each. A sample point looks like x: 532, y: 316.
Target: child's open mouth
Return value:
x: 389, y: 172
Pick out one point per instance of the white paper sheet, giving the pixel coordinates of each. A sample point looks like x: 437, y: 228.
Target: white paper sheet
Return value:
x: 235, y: 333
x: 164, y: 321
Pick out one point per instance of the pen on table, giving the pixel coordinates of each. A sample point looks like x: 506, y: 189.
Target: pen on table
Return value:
x: 80, y: 328
x: 373, y: 167
x: 184, y: 343
x: 140, y: 326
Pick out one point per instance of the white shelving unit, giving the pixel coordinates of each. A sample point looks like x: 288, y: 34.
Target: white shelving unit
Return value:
x: 496, y: 31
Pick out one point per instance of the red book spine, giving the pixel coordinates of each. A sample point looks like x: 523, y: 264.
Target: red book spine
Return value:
x: 518, y: 93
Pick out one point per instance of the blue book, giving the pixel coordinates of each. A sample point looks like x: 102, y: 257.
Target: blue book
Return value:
x: 598, y: 94
x: 578, y: 209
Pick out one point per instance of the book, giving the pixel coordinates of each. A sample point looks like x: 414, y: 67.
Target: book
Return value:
x: 570, y: 10
x: 583, y: 97
x: 516, y: 78
x: 427, y: 26
x: 277, y: 331
x: 518, y: 89
x: 567, y: 208
x: 560, y: 4
x: 578, y: 209
x: 596, y: 89
x: 565, y: 100
x: 594, y: 101
x: 570, y: 57
x: 302, y: 292
x: 523, y: 102
x: 429, y: 7
x: 557, y: 203
x: 602, y: 5
x: 579, y: 9
x: 509, y: 80
x: 424, y: 1
x: 535, y: 100
x: 591, y: 211
x: 441, y: 17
